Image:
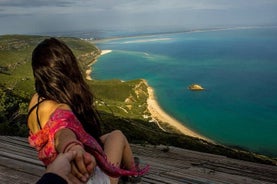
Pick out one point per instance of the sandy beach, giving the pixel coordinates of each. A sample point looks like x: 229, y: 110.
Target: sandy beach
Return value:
x: 103, y: 52
x: 160, y: 115
x: 89, y: 70
x: 88, y: 73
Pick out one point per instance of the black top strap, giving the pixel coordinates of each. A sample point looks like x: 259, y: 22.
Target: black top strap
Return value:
x: 36, y: 106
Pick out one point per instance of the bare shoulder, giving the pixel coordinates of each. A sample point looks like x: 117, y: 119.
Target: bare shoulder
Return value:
x: 47, y: 105
x: 33, y: 101
x: 45, y: 109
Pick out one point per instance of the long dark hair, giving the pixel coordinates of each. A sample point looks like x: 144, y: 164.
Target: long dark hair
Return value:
x: 59, y: 78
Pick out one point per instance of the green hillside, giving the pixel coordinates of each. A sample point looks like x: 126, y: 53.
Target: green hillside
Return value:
x: 122, y: 105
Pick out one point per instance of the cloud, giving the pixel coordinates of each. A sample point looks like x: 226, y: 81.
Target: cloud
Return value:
x: 162, y: 5
x: 78, y: 14
x: 34, y: 7
x: 35, y: 3
x: 126, y: 6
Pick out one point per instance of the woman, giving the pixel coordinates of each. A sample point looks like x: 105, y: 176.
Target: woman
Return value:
x: 61, y: 117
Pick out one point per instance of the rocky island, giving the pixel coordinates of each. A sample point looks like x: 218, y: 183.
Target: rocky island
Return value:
x: 195, y: 87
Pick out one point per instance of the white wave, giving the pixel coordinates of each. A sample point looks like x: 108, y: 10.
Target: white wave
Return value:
x: 148, y: 40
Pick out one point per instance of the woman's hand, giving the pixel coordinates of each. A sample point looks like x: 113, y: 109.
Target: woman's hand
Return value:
x: 90, y: 162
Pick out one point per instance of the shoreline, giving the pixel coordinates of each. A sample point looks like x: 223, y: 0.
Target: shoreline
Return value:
x: 149, y: 35
x: 158, y: 114
x: 89, y: 70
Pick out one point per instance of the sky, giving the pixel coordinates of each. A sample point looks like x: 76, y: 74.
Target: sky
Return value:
x: 42, y: 16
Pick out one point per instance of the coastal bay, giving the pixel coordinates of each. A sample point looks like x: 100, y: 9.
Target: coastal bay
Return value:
x: 133, y: 108
x: 89, y: 67
x: 157, y: 113
x: 233, y: 65
x: 160, y: 115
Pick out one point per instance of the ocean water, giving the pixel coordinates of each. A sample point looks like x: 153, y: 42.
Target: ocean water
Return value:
x: 237, y: 67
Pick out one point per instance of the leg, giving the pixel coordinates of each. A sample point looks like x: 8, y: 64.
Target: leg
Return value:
x: 118, y: 150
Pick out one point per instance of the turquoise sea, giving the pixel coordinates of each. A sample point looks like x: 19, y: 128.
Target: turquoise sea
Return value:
x: 237, y: 67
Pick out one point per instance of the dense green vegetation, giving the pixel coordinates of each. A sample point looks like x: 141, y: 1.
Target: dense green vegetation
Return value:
x: 122, y: 105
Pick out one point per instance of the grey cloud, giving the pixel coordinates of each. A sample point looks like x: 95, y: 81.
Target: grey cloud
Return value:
x: 133, y: 13
x: 36, y: 3
x: 3, y: 14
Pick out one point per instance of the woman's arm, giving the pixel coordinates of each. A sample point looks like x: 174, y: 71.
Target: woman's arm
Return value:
x: 84, y: 163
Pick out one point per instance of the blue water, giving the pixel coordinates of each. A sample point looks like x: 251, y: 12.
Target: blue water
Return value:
x: 238, y: 69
